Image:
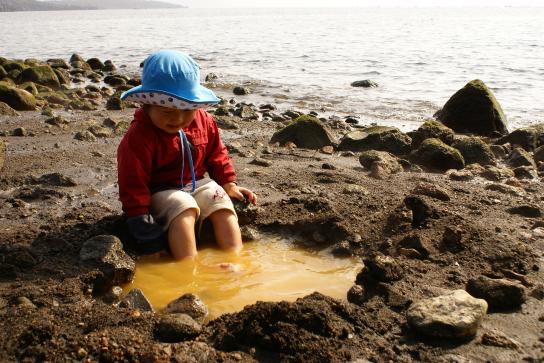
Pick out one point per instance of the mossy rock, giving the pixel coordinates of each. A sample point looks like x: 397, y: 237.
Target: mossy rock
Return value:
x: 529, y: 138
x: 95, y: 63
x: 6, y: 82
x: 2, y: 153
x: 81, y: 65
x: 3, y: 61
x: 63, y: 75
x: 32, y: 62
x: 367, y: 158
x: 475, y: 150
x: 109, y: 66
x: 305, y: 132
x: 435, y: 155
x: 14, y: 74
x: 29, y: 87
x: 76, y: 58
x: 17, y: 99
x: 3, y: 72
x: 539, y: 154
x: 6, y: 110
x: 519, y: 157
x: 382, y: 138
x: 115, y: 102
x: 431, y: 129
x: 43, y: 75
x: 57, y: 98
x: 474, y: 109
x: 14, y: 65
x: 81, y: 105
x: 58, y: 63
x: 121, y: 127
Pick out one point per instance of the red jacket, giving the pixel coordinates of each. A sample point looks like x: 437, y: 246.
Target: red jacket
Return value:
x: 149, y: 159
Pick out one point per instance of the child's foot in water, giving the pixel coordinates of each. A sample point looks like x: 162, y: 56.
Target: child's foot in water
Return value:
x: 229, y: 266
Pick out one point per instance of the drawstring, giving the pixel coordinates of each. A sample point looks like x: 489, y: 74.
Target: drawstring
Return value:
x: 185, y: 145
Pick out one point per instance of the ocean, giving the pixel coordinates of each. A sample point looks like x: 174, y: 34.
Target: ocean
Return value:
x: 307, y: 58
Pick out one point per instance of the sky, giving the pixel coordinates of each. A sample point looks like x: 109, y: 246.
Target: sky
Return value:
x: 351, y: 3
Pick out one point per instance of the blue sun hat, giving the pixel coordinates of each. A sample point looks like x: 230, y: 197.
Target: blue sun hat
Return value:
x: 171, y: 79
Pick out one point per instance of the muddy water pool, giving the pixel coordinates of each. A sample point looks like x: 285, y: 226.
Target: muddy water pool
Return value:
x: 271, y: 269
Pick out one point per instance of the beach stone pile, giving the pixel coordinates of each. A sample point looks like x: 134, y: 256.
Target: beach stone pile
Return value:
x: 79, y: 84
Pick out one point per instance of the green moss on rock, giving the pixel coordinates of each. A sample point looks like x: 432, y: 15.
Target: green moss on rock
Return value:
x: 528, y: 138
x: 367, y: 158
x: 431, y: 129
x: 380, y: 138
x: 43, y: 75
x: 17, y: 99
x: 474, y: 109
x: 475, y: 150
x: 115, y: 102
x: 29, y: 87
x: 305, y: 132
x: 435, y: 155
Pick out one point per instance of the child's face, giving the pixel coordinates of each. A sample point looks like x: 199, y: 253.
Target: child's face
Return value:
x: 170, y: 120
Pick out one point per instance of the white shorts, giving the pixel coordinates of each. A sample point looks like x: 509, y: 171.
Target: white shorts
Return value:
x: 207, y: 198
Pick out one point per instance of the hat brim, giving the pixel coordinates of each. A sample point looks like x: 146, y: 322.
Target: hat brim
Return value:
x: 201, y: 95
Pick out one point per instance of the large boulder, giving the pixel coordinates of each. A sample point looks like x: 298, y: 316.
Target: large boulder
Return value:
x: 431, y: 129
x: 17, y: 99
x: 43, y: 75
x: 528, y: 138
x: 474, y: 109
x: 475, y: 150
x: 436, y: 155
x: 381, y: 138
x: 305, y: 132
x: 106, y: 253
x: 454, y: 315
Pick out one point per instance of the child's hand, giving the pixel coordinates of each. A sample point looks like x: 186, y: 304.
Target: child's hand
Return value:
x: 240, y: 193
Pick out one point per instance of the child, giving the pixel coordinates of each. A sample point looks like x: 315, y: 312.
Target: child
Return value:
x: 171, y: 143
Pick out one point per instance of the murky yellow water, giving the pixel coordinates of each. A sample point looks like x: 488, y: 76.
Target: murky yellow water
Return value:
x: 271, y: 269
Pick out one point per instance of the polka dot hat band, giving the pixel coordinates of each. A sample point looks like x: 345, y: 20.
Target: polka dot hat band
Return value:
x: 163, y: 100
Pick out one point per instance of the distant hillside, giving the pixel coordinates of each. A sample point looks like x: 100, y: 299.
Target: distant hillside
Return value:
x: 33, y: 5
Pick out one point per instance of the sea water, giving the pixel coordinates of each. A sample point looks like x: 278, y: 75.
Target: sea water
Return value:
x: 307, y: 58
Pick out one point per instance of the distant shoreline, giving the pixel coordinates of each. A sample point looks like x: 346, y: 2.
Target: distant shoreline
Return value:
x: 65, y: 5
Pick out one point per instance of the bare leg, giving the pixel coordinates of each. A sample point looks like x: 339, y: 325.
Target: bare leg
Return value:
x: 226, y: 229
x: 181, y: 235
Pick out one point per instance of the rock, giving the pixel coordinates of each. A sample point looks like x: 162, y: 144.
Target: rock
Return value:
x: 355, y: 189
x: 520, y: 157
x: 505, y: 189
x: 328, y: 150
x: 421, y: 210
x: 418, y: 243
x: 136, y: 300
x: 2, y: 153
x: 115, y: 102
x: 529, y: 211
x: 25, y: 303
x: 57, y: 179
x: 452, y: 239
x: 261, y: 162
x: 222, y: 111
x: 85, y: 136
x: 43, y: 75
x: 328, y: 166
x: 435, y: 155
x: 246, y: 112
x: 496, y: 174
x: 58, y: 63
x: 95, y: 64
x: 6, y: 110
x: 528, y: 138
x: 380, y: 138
x: 499, y: 293
x: 497, y: 339
x: 432, y: 191
x: 175, y: 328
x: 106, y: 253
x: 76, y: 58
x: 384, y: 268
x: 364, y: 83
x: 56, y: 98
x: 109, y: 66
x: 539, y: 154
x: 305, y: 132
x: 241, y: 91
x: 19, y: 131
x: 475, y: 150
x: 431, y: 129
x: 16, y: 98
x: 211, y: 77
x: 500, y: 151
x: 474, y: 109
x: 113, y: 295
x: 367, y: 158
x: 100, y: 131
x: 189, y: 304
x: 525, y: 172
x: 56, y: 121
x: 115, y: 81
x: 454, y: 315
x: 30, y: 87
x: 356, y: 295
x: 249, y: 234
